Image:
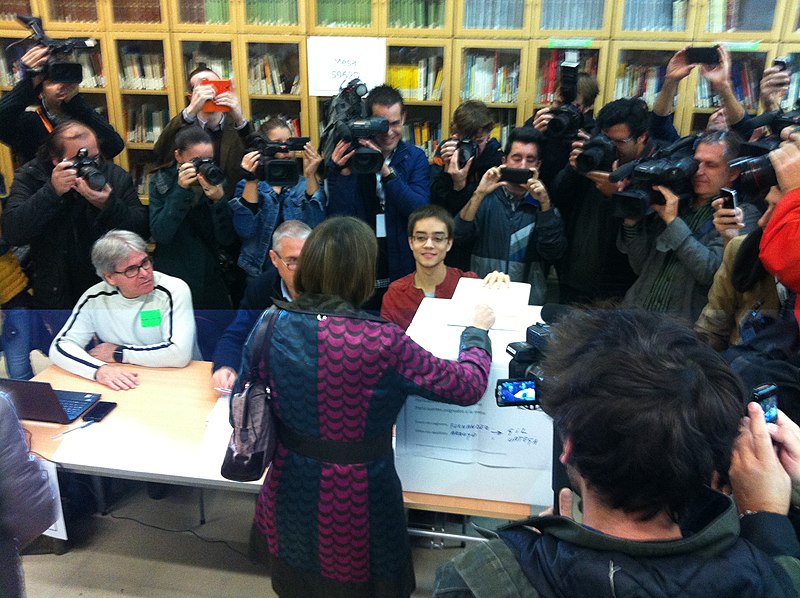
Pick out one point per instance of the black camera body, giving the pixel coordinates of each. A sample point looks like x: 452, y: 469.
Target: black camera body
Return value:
x: 210, y: 171
x: 566, y: 122
x: 58, y: 69
x: 280, y: 173
x: 89, y: 169
x: 466, y: 149
x: 598, y: 153
x: 365, y: 160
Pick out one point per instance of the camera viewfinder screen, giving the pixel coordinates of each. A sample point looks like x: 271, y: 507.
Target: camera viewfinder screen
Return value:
x: 516, y: 392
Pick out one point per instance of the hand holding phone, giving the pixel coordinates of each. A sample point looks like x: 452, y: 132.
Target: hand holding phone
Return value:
x: 729, y: 198
x: 519, y: 176
x: 698, y: 55
x: 766, y: 395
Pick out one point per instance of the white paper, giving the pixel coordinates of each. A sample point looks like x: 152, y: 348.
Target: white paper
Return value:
x: 336, y: 60
x: 509, y: 303
x: 59, y: 529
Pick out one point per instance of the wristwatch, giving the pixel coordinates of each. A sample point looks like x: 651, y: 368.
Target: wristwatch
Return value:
x: 389, y: 177
x: 118, y: 354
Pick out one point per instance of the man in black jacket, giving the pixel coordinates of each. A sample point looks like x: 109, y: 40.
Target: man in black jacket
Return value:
x: 53, y: 208
x: 650, y: 421
x: 25, y: 131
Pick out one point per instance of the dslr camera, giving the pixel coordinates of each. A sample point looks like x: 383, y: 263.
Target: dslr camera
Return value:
x: 347, y: 121
x: 466, y: 149
x: 672, y: 167
x: 567, y: 119
x: 281, y: 173
x: 210, y: 171
x: 89, y: 169
x: 58, y: 69
x: 598, y: 153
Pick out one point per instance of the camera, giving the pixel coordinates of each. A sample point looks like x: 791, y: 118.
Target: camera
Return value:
x: 210, y: 171
x: 466, y: 149
x: 280, y: 173
x: 524, y: 370
x: 89, y: 169
x: 58, y: 69
x: 567, y: 119
x: 756, y: 174
x: 598, y: 153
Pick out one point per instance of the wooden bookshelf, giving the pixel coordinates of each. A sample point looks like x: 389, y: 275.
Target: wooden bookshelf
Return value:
x: 417, y: 18
x: 655, y: 20
x: 343, y: 17
x: 578, y: 18
x: 735, y: 20
x: 793, y: 96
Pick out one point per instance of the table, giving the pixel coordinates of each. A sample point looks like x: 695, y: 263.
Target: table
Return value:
x: 173, y: 429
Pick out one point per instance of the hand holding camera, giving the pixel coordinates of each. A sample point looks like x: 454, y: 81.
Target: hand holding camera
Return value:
x: 63, y: 177
x: 311, y: 161
x: 341, y: 155
x: 679, y: 66
x: 668, y: 211
x: 786, y: 162
x: 457, y: 170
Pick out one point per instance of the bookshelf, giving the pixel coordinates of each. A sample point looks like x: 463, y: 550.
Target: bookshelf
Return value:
x: 202, y: 15
x: 9, y: 10
x: 792, y: 21
x: 139, y: 15
x: 655, y: 19
x: 271, y: 16
x: 215, y: 51
x: 493, y: 19
x: 741, y: 20
x: 343, y: 17
x: 417, y: 18
x: 78, y: 16
x: 793, y: 95
x: 572, y: 17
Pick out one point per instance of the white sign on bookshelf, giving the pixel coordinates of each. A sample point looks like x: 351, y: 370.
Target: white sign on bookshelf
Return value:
x: 336, y: 60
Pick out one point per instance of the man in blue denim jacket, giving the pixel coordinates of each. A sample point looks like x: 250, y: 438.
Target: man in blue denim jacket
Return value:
x: 383, y: 200
x: 258, y: 207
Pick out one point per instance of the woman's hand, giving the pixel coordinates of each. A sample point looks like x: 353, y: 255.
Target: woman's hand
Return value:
x: 483, y: 316
x: 187, y: 175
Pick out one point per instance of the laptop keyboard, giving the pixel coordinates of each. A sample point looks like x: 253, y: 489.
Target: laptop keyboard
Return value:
x: 74, y: 406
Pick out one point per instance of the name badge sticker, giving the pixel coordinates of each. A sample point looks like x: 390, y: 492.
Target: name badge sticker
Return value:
x: 150, y: 318
x: 380, y: 225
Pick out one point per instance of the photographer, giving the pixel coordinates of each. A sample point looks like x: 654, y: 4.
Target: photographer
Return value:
x: 383, y: 200
x: 593, y: 268
x: 53, y: 208
x: 56, y: 101
x: 259, y: 207
x: 459, y: 164
x: 676, y: 250
x: 514, y: 226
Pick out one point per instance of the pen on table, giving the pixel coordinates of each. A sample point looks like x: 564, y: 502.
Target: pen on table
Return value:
x: 89, y: 423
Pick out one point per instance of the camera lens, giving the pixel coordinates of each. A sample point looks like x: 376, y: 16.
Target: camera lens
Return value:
x: 93, y: 177
x: 756, y: 174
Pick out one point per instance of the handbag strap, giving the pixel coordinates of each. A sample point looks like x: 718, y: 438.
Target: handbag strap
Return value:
x: 253, y: 349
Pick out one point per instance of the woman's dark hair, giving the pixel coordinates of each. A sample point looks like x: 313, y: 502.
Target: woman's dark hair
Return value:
x: 187, y: 136
x: 339, y: 259
x: 650, y: 410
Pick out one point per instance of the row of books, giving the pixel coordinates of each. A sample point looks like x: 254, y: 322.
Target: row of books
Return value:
x: 79, y: 11
x: 420, y: 81
x: 205, y: 11
x: 293, y: 122
x: 265, y: 77
x: 222, y: 66
x: 486, y: 77
x: 573, y: 14
x: 136, y: 11
x: 655, y: 15
x: 11, y: 8
x: 271, y: 12
x: 141, y: 70
x: 92, y: 67
x: 344, y: 13
x: 424, y: 134
x: 416, y: 13
x: 745, y: 77
x: 493, y: 14
x: 9, y: 73
x: 733, y: 15
x: 549, y: 69
x: 505, y: 122
x: 637, y: 80
x: 140, y: 173
x: 145, y: 122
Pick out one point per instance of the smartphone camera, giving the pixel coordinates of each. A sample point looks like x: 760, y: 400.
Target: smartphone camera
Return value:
x: 99, y: 411
x: 729, y: 198
x: 516, y: 393
x: 766, y: 395
x: 516, y: 175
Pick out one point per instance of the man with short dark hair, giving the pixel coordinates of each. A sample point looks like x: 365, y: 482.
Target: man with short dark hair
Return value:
x: 383, y: 200
x: 649, y: 418
x: 514, y: 227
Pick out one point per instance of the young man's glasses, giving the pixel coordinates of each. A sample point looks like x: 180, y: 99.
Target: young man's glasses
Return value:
x: 437, y: 238
x: 290, y: 263
x: 131, y: 271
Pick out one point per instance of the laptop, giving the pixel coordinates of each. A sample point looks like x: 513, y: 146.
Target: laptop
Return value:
x: 38, y: 401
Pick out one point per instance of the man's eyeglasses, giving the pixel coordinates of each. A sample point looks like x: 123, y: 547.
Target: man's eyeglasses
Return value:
x: 437, y: 238
x: 290, y: 263
x: 146, y: 264
x: 619, y: 142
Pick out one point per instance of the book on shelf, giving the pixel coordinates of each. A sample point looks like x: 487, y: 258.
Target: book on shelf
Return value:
x: 639, y: 80
x: 140, y: 173
x: 293, y: 122
x: 141, y: 70
x: 417, y: 81
x: 548, y: 71
x: 145, y: 122
x: 572, y: 14
x: 745, y: 78
x: 424, y: 134
x: 494, y: 14
x: 488, y: 78
x: 419, y: 14
x: 656, y: 15
x: 789, y: 101
x: 77, y: 11
x: 136, y: 11
x: 265, y: 76
x: 344, y: 13
x: 92, y: 68
x: 505, y: 122
x: 271, y: 12
x: 222, y: 66
x: 740, y: 15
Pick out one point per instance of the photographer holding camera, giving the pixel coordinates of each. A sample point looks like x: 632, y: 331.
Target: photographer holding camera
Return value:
x: 56, y: 100
x: 385, y: 199
x: 676, y: 249
x: 60, y: 203
x: 511, y: 221
x: 259, y: 206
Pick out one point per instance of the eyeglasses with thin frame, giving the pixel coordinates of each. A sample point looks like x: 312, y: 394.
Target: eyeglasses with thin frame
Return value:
x: 437, y: 238
x: 146, y: 264
x: 290, y: 263
x: 625, y: 141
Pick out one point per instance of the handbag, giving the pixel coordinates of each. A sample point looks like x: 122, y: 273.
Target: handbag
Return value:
x: 254, y: 437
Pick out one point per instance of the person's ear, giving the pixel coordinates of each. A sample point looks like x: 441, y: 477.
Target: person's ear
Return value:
x: 273, y: 257
x: 410, y: 244
x: 449, y: 244
x: 566, y: 451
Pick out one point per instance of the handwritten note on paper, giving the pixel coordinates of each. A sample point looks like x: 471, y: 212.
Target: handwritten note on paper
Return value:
x: 336, y: 60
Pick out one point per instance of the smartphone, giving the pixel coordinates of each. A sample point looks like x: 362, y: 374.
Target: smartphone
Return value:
x: 782, y: 62
x: 516, y: 175
x: 730, y: 200
x: 766, y: 395
x: 220, y: 86
x: 99, y: 411
x: 513, y: 393
x: 698, y: 55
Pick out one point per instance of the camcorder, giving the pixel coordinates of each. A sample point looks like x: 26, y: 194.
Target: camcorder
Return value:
x: 347, y: 121
x: 210, y: 171
x: 567, y: 119
x: 672, y: 167
x: 58, y: 68
x: 89, y: 169
x: 598, y: 153
x: 280, y: 173
x: 756, y: 174
x: 524, y: 370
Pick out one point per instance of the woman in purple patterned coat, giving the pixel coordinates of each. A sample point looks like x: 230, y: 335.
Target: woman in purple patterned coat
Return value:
x: 332, y: 507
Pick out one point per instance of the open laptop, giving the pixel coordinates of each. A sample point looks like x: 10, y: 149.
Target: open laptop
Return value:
x: 38, y: 401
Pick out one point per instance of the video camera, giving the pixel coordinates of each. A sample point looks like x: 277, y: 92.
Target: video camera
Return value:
x: 58, y: 69
x: 672, y: 167
x: 756, y: 172
x: 347, y: 121
x: 567, y: 119
x: 280, y: 173
x: 89, y: 169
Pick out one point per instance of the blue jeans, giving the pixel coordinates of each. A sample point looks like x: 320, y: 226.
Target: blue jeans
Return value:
x: 17, y: 323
